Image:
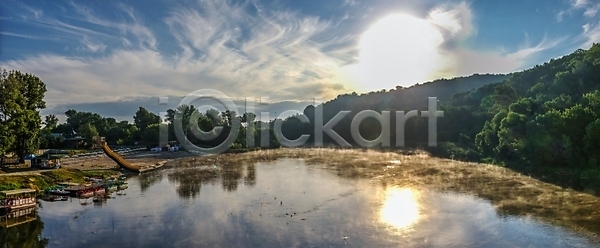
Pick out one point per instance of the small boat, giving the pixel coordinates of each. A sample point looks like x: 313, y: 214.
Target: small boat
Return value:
x: 59, y: 198
x: 123, y: 186
x: 93, y: 179
x: 85, y: 193
x: 59, y: 192
x: 113, y: 188
x: 99, y: 191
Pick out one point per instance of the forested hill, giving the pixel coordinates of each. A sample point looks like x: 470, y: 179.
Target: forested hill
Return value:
x: 413, y: 97
x: 410, y: 98
x: 546, y: 116
x: 543, y: 117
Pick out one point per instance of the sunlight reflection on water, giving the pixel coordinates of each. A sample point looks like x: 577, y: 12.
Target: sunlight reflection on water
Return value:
x: 400, y: 208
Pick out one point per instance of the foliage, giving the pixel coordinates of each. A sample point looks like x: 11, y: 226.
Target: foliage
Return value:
x: 21, y: 98
x: 545, y: 117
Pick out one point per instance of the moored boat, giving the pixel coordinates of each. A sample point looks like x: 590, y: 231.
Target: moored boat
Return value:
x: 85, y: 193
x: 113, y: 188
x: 17, y: 199
x: 99, y: 191
x: 59, y: 192
x: 123, y: 186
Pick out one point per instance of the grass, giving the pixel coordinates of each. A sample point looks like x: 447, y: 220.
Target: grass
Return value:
x: 510, y: 192
x: 50, y: 178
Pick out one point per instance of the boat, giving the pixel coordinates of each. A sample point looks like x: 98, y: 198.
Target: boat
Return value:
x: 17, y: 199
x: 123, y: 186
x: 59, y: 192
x: 99, y: 191
x: 85, y: 193
x: 113, y: 188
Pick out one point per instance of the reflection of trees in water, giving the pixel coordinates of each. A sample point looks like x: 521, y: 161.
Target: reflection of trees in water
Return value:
x: 24, y: 235
x: 231, y: 175
x: 250, y: 178
x: 191, y: 180
x: 149, y: 178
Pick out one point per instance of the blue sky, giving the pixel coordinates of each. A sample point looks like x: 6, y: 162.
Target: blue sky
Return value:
x: 115, y: 51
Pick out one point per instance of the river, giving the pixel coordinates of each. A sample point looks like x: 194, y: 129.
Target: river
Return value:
x: 285, y: 203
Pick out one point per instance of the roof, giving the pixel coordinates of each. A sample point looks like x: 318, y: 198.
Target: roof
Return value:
x: 17, y: 191
x: 51, y: 156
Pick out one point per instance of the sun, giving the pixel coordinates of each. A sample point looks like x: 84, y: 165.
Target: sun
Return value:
x: 397, y: 50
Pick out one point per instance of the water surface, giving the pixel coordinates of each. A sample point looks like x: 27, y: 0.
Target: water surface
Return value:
x: 285, y: 204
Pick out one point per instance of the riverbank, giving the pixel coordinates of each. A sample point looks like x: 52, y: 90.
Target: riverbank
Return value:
x: 510, y: 192
x: 45, y: 179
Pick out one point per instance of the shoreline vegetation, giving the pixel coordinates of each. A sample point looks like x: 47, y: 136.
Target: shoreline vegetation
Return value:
x: 39, y: 180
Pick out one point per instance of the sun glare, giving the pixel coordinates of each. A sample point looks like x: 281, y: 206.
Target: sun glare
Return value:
x: 400, y: 209
x: 397, y: 50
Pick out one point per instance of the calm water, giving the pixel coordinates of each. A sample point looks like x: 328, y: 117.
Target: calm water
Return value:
x: 280, y: 204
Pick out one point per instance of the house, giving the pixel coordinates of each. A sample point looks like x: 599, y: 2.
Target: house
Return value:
x: 70, y: 139
x: 50, y: 159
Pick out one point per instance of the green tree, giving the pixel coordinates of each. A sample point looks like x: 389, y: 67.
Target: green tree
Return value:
x: 88, y: 131
x: 21, y: 98
x: 51, y: 121
x: 144, y: 118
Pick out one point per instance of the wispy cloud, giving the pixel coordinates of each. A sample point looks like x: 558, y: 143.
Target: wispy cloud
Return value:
x: 134, y: 26
x: 221, y: 46
x: 37, y: 13
x: 560, y: 15
x: 578, y: 3
x: 93, y: 46
x: 467, y: 61
x: 591, y: 34
x: 27, y: 36
x: 592, y: 10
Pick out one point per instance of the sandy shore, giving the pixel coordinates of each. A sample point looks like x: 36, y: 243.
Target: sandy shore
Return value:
x: 143, y: 159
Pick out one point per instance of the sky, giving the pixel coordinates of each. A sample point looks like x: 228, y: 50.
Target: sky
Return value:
x: 111, y: 56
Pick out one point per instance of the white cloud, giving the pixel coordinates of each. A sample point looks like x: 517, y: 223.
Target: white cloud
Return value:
x: 560, y: 15
x: 579, y: 3
x: 591, y: 11
x: 469, y: 62
x: 276, y: 58
x: 37, y: 13
x: 591, y: 34
x: 27, y: 36
x: 93, y: 46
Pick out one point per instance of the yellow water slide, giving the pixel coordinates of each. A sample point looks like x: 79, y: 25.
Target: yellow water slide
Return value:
x: 118, y: 159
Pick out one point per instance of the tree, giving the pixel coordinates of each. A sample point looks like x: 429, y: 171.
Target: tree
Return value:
x: 51, y: 122
x: 21, y: 98
x: 88, y: 131
x: 151, y: 134
x: 144, y: 118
